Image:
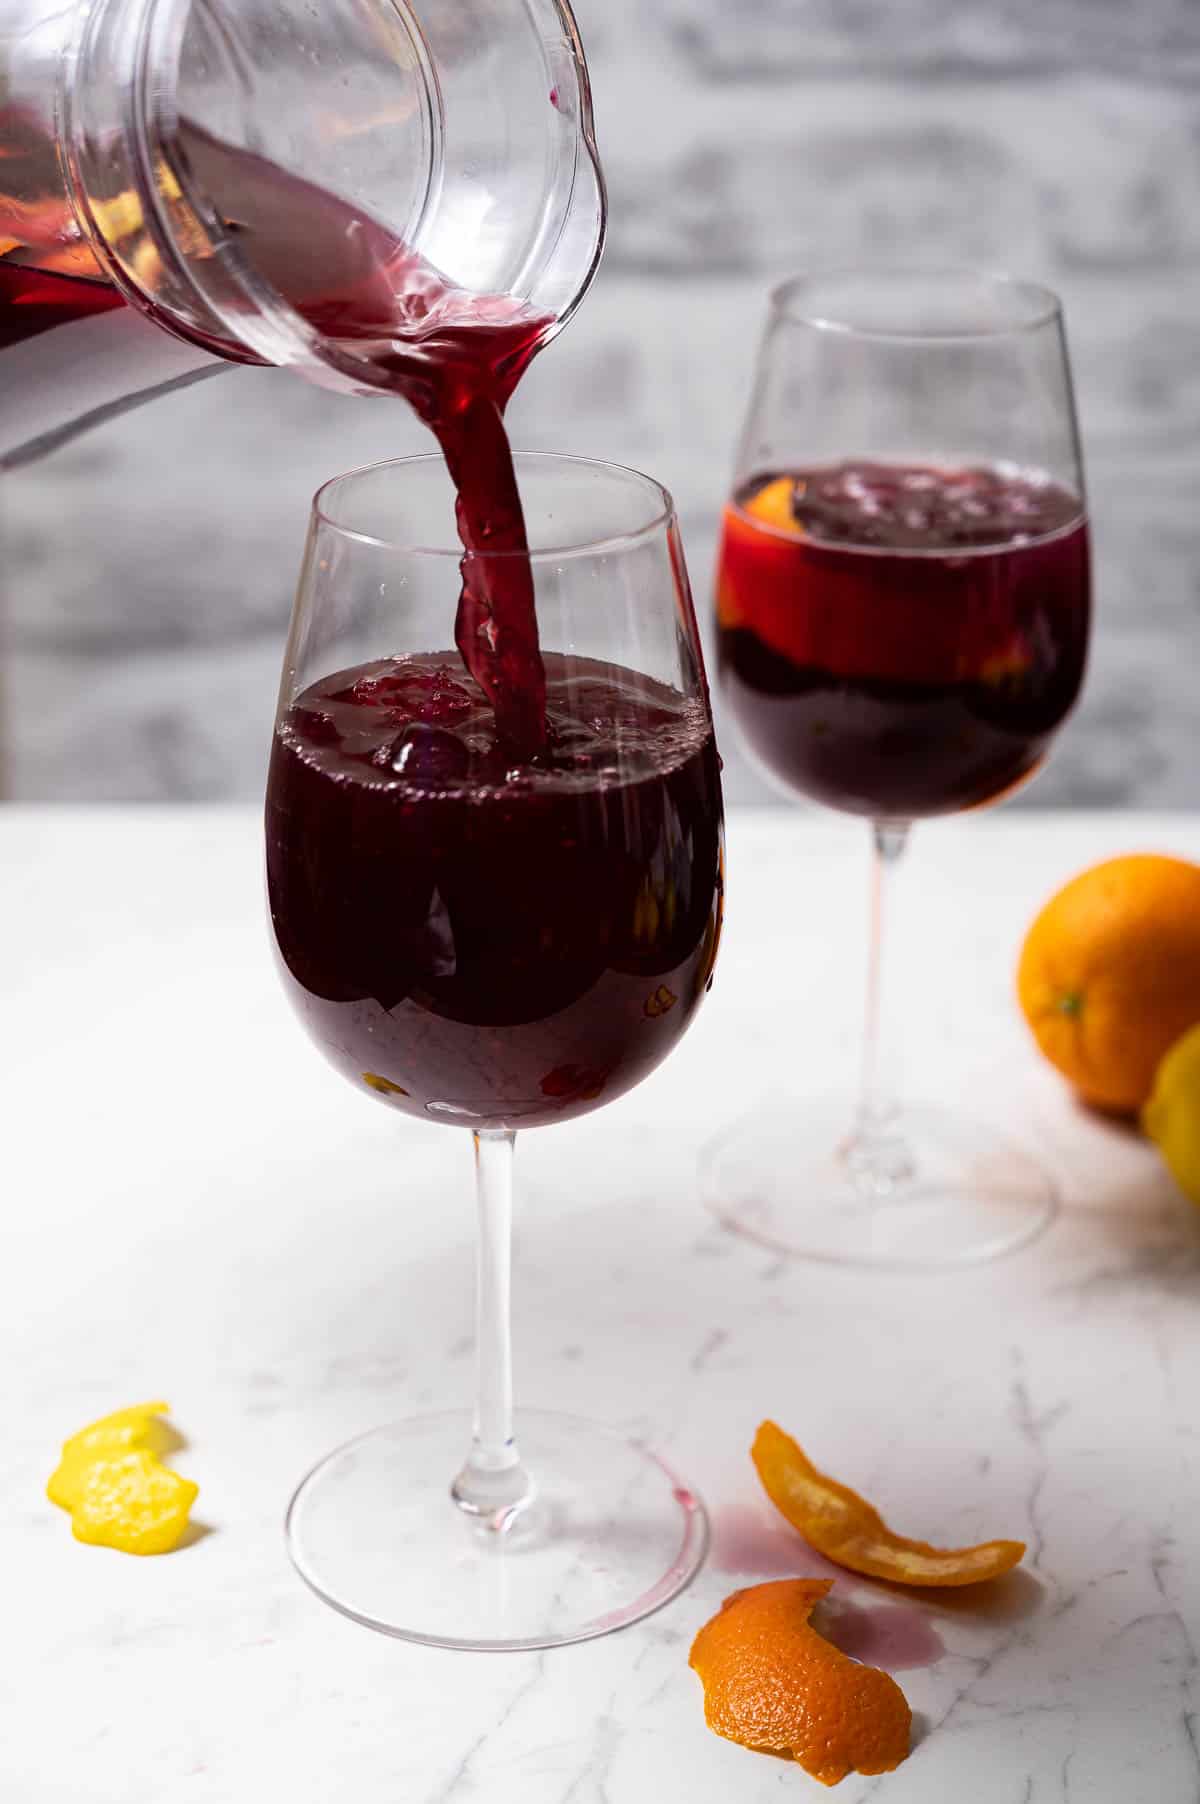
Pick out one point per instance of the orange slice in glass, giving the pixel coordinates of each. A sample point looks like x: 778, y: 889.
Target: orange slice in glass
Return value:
x: 773, y: 506
x: 844, y: 1527
x: 773, y: 1684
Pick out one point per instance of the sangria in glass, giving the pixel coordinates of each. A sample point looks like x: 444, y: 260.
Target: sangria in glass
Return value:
x: 903, y: 600
x: 494, y: 930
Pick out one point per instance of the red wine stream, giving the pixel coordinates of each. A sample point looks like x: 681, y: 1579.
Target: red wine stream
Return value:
x: 391, y: 320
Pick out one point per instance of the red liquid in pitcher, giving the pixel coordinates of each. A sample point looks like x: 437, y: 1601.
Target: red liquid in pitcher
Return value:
x: 481, y: 946
x: 37, y: 300
x: 899, y: 640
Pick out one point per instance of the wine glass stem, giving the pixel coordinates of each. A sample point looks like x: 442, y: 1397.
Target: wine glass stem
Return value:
x: 876, y: 1151
x: 493, y: 1485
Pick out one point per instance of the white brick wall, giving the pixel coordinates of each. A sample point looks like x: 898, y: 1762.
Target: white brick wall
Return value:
x: 149, y: 580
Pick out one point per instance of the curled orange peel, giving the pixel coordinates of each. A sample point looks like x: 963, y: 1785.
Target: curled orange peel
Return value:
x: 843, y: 1526
x: 773, y: 1684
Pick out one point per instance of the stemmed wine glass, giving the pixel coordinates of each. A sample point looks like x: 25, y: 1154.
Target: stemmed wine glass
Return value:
x: 903, y: 613
x: 494, y: 946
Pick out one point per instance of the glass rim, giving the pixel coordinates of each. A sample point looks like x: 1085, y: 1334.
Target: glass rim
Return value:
x: 1043, y: 307
x: 664, y: 514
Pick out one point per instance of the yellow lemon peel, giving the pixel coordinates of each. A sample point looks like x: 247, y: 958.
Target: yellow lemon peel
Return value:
x: 113, y: 1484
x: 133, y: 1503
x: 111, y: 1435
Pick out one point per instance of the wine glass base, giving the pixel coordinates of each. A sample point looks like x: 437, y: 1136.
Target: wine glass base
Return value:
x: 781, y: 1177
x: 610, y: 1536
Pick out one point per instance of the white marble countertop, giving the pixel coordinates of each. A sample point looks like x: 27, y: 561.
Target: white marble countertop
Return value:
x: 195, y: 1207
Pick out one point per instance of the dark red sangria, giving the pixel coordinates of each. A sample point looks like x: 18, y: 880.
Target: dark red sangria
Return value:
x: 482, y: 942
x: 495, y: 884
x: 902, y: 614
x: 902, y: 640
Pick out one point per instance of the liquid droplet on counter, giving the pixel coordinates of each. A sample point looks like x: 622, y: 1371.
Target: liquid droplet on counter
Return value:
x: 896, y: 1637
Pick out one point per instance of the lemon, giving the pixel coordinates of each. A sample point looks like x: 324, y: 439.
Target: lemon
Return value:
x: 1172, y: 1115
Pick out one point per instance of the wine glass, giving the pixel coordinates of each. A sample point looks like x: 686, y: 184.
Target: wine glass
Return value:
x: 903, y: 610
x: 493, y: 948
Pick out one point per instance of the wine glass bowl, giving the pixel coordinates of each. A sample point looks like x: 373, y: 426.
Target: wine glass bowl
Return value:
x: 939, y: 645
x: 474, y: 944
x: 492, y: 942
x: 903, y: 608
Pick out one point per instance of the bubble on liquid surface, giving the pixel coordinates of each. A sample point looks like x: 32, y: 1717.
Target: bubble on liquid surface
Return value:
x: 318, y: 727
x: 421, y: 694
x: 429, y: 754
x: 422, y: 724
x: 574, y: 744
x: 925, y: 509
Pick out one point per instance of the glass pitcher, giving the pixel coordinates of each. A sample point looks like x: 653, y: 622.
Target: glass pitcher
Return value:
x: 190, y: 183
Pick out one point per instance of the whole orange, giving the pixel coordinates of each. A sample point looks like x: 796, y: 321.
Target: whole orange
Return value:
x: 1109, y: 975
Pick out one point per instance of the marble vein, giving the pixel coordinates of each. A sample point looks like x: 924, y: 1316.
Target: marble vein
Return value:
x: 1033, y: 1430
x: 462, y: 1780
x: 712, y: 1344
x: 594, y: 1772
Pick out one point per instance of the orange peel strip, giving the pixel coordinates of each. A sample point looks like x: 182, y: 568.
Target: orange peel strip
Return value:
x: 843, y: 1526
x: 773, y: 1684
